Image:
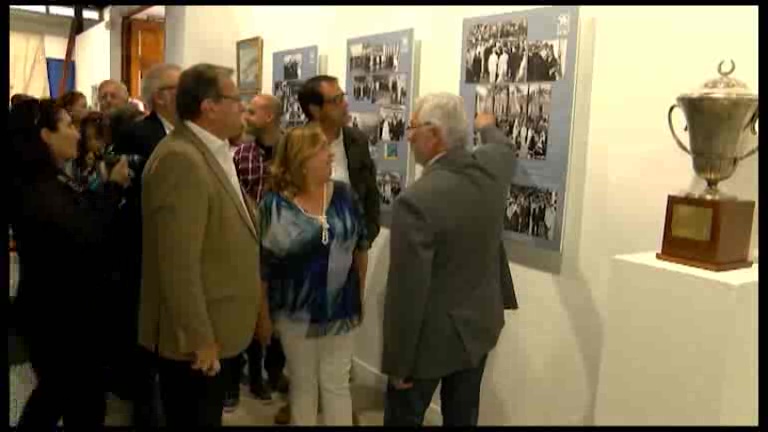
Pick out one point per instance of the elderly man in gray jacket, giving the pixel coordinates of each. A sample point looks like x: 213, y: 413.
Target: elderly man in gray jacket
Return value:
x: 447, y: 285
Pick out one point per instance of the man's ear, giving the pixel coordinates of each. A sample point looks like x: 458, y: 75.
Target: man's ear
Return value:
x: 45, y: 135
x: 315, y: 111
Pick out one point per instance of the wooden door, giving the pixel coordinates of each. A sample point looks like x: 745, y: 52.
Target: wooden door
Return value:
x: 143, y: 47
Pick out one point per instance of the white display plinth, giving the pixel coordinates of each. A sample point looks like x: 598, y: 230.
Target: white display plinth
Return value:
x: 680, y: 345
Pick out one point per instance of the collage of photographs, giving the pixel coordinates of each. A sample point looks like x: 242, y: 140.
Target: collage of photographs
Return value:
x: 512, y: 76
x: 378, y: 100
x: 287, y: 90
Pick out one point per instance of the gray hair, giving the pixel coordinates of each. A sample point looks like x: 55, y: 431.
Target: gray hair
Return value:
x: 150, y: 83
x: 123, y: 88
x: 446, y: 112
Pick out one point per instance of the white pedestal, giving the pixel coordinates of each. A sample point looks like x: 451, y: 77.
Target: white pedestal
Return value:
x: 680, y: 345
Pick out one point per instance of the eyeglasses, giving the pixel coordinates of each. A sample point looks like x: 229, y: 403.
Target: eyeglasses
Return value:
x: 339, y: 98
x: 168, y: 87
x: 232, y: 98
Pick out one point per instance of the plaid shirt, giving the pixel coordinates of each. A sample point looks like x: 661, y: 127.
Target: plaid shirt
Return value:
x: 252, y: 163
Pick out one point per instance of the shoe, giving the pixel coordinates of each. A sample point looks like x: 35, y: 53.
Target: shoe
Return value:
x: 231, y: 404
x: 261, y: 390
x: 283, y: 417
x: 281, y: 384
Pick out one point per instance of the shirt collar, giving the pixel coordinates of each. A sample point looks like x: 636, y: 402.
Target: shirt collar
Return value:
x: 210, y: 140
x: 168, y: 126
x: 340, y: 140
x: 434, y: 159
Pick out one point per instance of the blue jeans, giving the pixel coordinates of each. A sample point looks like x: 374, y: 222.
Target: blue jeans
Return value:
x: 459, y: 399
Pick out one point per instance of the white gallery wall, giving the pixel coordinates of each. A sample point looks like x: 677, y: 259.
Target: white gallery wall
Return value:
x: 545, y: 367
x: 92, y: 59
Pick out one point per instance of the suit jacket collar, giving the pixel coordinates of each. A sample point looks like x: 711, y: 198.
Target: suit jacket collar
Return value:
x: 454, y: 157
x: 185, y: 132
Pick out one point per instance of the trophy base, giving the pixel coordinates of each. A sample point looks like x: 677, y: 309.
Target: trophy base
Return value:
x: 705, y: 265
x: 706, y: 233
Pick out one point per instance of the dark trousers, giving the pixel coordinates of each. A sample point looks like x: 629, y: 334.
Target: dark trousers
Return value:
x: 459, y: 399
x: 70, y: 385
x: 145, y: 389
x: 190, y: 398
x: 273, y: 361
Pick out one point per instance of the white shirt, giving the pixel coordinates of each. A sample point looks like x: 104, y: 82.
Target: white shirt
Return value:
x: 168, y: 126
x: 340, y: 169
x: 221, y: 150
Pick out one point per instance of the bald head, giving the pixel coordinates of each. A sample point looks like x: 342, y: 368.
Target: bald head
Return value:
x: 269, y: 104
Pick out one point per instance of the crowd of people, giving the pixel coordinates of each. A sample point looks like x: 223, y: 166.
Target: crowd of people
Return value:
x: 373, y: 58
x: 212, y: 238
x: 386, y: 89
x: 496, y: 53
x: 531, y: 211
x: 392, y: 127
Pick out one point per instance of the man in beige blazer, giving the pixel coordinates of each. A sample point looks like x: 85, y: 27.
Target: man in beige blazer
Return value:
x: 201, y: 290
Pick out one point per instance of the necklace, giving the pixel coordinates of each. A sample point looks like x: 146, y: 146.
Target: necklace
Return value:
x: 322, y: 219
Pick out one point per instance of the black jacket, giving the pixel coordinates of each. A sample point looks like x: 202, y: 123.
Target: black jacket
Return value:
x: 362, y: 176
x: 139, y: 138
x: 64, y: 239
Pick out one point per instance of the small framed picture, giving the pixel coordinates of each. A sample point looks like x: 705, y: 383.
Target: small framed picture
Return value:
x: 390, y: 150
x: 249, y: 64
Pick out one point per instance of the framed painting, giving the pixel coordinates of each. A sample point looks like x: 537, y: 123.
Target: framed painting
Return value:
x: 249, y: 64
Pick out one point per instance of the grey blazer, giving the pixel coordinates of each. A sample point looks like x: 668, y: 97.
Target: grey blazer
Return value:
x: 447, y: 284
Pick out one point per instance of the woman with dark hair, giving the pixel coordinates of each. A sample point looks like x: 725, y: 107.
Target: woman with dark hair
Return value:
x: 76, y: 106
x: 94, y: 132
x: 58, y: 227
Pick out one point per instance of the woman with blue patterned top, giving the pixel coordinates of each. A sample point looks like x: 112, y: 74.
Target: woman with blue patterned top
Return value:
x: 313, y: 263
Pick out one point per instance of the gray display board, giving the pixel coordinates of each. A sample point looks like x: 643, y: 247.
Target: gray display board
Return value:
x: 521, y: 67
x: 379, y: 90
x: 290, y: 69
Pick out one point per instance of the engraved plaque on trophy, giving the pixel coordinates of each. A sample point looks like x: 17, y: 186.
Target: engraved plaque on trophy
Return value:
x: 712, y: 230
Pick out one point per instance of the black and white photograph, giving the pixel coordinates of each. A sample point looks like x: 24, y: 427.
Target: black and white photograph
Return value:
x: 362, y: 88
x: 495, y: 53
x: 387, y: 89
x: 288, y: 94
x: 522, y: 112
x: 391, y: 123
x: 368, y: 123
x: 546, y: 60
x: 390, y: 184
x: 390, y: 150
x: 531, y: 211
x: 563, y: 25
x: 530, y: 131
x: 292, y: 66
x: 374, y: 58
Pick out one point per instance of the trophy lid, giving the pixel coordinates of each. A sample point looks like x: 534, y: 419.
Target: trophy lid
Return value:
x: 722, y: 87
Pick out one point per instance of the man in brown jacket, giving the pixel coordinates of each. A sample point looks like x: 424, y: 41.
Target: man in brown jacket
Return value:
x: 200, y: 293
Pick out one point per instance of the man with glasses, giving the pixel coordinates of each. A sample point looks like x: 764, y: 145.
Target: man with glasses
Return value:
x: 323, y: 101
x: 444, y: 307
x: 137, y: 364
x: 201, y: 288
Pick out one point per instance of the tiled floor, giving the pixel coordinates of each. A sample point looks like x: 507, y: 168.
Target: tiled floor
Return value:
x: 251, y: 412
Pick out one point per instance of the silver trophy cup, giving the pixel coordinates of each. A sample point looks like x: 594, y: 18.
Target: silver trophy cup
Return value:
x: 718, y: 116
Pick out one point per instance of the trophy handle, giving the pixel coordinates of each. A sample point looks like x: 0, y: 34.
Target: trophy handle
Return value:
x: 672, y: 129
x: 753, y: 129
